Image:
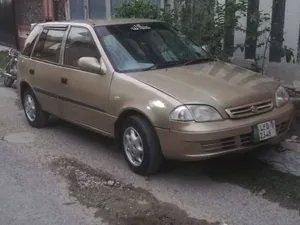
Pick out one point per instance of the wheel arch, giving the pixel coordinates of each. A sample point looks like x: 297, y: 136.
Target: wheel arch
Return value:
x: 24, y: 86
x: 125, y: 114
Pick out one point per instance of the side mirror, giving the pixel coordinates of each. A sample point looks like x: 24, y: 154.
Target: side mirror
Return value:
x: 92, y: 65
x: 206, y: 48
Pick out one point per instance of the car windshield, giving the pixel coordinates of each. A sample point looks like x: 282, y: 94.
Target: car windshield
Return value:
x: 146, y: 46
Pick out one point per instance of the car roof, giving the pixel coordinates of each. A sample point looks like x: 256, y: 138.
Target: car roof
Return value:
x: 99, y: 22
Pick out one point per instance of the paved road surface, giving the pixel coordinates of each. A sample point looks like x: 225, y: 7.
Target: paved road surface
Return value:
x: 66, y: 175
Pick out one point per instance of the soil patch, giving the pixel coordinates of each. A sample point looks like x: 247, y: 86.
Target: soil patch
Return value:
x: 117, y: 203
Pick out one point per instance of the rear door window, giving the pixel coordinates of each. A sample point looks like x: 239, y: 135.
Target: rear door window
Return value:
x: 49, y: 45
x: 31, y: 39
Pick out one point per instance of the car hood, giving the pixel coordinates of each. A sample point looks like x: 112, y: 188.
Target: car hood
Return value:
x: 215, y: 83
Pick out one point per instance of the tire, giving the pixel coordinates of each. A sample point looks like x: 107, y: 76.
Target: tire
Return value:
x: 152, y: 158
x: 8, y: 81
x: 41, y: 117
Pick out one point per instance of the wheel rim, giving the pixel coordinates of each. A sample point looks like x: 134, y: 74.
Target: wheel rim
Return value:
x: 133, y: 146
x: 30, y: 108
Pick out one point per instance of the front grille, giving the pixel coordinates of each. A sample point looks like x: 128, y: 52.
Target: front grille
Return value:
x: 235, y: 142
x: 219, y: 145
x: 246, y: 139
x: 250, y: 110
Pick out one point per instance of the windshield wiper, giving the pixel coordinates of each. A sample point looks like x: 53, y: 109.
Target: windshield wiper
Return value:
x: 164, y: 65
x: 150, y: 68
x: 175, y: 63
x: 199, y: 60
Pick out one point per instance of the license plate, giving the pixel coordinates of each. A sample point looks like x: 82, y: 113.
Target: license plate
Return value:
x: 265, y: 131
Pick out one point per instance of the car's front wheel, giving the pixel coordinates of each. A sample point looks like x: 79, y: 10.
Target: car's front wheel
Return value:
x: 35, y: 116
x: 141, y: 146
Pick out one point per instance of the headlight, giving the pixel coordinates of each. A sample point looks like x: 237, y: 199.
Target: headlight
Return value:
x: 281, y: 96
x: 181, y: 113
x: 198, y: 113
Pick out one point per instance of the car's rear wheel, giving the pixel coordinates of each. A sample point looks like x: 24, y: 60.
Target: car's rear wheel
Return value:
x: 35, y: 116
x: 141, y: 146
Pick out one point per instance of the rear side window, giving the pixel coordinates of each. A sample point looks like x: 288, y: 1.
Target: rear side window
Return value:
x: 80, y: 43
x: 31, y: 39
x: 49, y: 45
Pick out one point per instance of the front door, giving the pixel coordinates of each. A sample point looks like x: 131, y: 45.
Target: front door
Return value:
x: 85, y: 95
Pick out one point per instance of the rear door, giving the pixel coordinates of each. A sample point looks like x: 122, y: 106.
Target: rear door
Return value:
x: 46, y: 64
x: 24, y: 60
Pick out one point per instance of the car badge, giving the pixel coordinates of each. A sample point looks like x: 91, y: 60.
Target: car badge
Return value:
x: 253, y: 109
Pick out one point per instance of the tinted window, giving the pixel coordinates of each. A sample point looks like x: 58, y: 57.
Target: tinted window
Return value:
x: 49, y: 45
x: 136, y: 47
x: 80, y: 43
x: 29, y: 43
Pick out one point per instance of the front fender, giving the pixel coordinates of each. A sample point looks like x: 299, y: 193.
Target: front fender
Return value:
x: 130, y: 94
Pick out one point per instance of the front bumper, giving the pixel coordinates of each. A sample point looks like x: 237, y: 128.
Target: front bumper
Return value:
x: 196, y: 141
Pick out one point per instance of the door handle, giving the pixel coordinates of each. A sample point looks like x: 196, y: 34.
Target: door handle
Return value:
x: 31, y: 71
x: 64, y: 80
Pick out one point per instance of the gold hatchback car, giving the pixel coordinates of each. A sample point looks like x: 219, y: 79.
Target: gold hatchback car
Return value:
x: 154, y: 90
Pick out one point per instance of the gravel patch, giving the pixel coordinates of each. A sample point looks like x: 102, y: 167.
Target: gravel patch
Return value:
x: 118, y: 203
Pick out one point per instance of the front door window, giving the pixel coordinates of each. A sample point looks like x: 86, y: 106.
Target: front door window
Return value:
x: 80, y: 43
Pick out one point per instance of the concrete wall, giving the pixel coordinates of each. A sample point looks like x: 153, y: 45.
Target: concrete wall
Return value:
x: 27, y: 12
x: 60, y: 10
x: 286, y: 71
x: 35, y: 11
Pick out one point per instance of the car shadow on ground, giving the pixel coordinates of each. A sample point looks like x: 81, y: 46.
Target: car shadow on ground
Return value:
x: 105, y: 143
x: 244, y: 170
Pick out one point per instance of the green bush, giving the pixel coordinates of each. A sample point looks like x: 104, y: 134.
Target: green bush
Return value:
x: 137, y: 9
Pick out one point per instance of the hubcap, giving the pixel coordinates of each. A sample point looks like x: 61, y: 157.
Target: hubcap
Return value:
x: 30, y: 109
x: 133, y: 146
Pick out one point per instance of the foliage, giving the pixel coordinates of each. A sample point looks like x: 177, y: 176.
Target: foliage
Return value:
x: 288, y: 54
x: 137, y: 9
x: 207, y: 22
x: 207, y: 26
x: 262, y: 23
x: 226, y: 20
